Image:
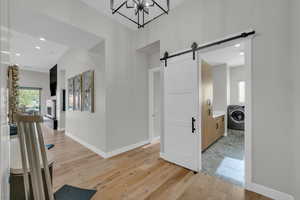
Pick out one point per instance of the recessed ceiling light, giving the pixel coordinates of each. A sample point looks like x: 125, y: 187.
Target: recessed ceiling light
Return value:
x: 37, y: 47
x: 5, y: 52
x: 42, y: 39
x: 18, y: 54
x: 242, y: 53
x: 237, y: 45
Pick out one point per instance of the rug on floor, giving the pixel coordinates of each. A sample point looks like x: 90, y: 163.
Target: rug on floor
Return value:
x: 68, y: 192
x: 49, y: 146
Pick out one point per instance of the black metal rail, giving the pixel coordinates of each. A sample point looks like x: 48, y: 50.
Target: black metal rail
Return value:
x: 195, y: 47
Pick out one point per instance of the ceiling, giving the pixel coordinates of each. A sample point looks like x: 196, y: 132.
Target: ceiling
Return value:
x: 103, y: 6
x: 230, y: 55
x: 24, y: 38
x: 23, y: 52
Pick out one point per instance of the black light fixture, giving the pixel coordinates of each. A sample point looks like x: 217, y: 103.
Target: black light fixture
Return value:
x: 140, y: 12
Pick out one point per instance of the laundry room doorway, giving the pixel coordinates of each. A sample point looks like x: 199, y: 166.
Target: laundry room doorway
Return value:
x: 197, y: 129
x: 225, y: 112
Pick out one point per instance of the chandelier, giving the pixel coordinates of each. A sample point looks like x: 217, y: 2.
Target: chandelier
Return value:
x: 140, y: 12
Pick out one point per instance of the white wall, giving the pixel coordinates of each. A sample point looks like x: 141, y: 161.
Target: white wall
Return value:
x: 295, y: 40
x: 61, y: 85
x: 220, y: 88
x: 154, y: 59
x: 4, y: 135
x: 207, y: 20
x: 157, y: 103
x: 237, y: 74
x: 87, y: 126
x: 210, y: 20
x: 37, y: 80
x: 126, y: 72
x: 127, y: 101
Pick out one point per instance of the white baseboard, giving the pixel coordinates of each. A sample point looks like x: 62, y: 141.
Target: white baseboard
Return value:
x: 107, y: 154
x: 269, y: 192
x: 126, y: 148
x: 155, y: 139
x: 61, y: 129
x: 226, y: 133
x: 87, y: 145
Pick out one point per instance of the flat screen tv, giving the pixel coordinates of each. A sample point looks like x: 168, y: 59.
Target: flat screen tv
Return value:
x: 53, y: 80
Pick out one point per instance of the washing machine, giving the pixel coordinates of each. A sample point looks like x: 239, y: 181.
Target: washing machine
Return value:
x: 236, y: 117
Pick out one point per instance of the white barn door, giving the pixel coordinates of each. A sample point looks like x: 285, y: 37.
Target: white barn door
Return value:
x: 181, y: 107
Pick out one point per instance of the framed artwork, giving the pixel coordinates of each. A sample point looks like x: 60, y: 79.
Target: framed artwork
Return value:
x: 71, y: 94
x: 77, y: 92
x: 88, y: 91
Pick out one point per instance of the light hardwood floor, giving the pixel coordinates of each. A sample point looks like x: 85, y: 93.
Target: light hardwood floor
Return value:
x: 137, y: 174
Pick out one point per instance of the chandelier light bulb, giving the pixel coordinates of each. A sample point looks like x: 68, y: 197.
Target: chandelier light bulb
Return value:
x: 141, y: 9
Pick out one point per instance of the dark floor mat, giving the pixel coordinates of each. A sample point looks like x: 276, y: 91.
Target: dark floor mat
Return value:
x: 68, y: 192
x: 49, y: 146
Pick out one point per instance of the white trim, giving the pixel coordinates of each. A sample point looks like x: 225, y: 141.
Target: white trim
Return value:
x: 155, y: 69
x: 249, y: 184
x: 269, y: 192
x: 248, y: 113
x: 199, y: 110
x: 126, y: 148
x: 61, y: 129
x: 155, y: 139
x: 162, y: 110
x: 150, y: 100
x: 87, y: 145
x: 162, y: 155
x: 106, y: 154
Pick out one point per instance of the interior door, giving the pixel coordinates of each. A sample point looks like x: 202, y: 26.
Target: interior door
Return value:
x: 181, y: 123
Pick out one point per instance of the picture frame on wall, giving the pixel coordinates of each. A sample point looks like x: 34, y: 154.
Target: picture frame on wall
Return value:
x: 78, y: 92
x: 71, y: 93
x: 88, y: 92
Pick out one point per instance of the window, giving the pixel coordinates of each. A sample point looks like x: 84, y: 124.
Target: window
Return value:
x: 242, y: 92
x: 30, y: 100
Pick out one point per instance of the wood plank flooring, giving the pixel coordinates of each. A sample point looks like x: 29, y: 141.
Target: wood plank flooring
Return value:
x: 137, y: 174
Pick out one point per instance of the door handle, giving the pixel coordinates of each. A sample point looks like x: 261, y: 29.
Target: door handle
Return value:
x: 193, y: 125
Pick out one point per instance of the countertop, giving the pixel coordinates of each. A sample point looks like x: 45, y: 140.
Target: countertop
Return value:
x: 218, y: 114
